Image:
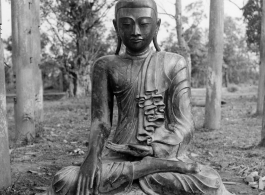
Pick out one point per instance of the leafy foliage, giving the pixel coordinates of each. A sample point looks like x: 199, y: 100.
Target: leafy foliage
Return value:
x: 239, y: 63
x: 75, y: 37
x: 252, y: 13
x: 193, y: 35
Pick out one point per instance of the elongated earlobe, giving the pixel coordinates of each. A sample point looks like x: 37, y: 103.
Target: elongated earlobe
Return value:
x: 156, y: 44
x: 118, y: 46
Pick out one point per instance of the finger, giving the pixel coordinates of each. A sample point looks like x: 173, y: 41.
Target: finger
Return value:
x: 117, y: 147
x: 92, y: 178
x: 139, y: 147
x: 79, y: 185
x: 97, y: 183
x: 83, y: 190
x: 88, y: 185
x: 86, y: 191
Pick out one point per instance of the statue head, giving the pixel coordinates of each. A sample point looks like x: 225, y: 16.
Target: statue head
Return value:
x: 136, y: 24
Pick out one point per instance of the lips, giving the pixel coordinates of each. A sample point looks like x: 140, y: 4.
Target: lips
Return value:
x: 136, y: 40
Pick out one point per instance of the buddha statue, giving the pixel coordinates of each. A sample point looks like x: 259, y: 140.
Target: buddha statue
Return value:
x: 155, y: 123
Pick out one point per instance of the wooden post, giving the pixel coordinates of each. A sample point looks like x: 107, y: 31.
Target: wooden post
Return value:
x: 24, y: 70
x: 36, y: 61
x: 5, y: 171
x: 261, y: 88
x: 262, y: 73
x: 215, y: 61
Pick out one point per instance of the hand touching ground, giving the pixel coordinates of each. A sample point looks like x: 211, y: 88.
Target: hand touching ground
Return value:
x: 89, y: 176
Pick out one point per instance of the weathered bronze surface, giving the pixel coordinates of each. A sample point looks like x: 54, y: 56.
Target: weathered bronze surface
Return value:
x: 155, y: 124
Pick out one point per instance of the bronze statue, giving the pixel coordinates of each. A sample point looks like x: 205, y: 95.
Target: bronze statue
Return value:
x: 155, y: 124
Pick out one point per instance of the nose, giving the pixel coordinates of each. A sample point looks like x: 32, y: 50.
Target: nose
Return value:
x: 136, y: 30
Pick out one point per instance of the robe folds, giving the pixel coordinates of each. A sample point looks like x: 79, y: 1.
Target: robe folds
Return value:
x: 153, y: 106
x: 153, y: 99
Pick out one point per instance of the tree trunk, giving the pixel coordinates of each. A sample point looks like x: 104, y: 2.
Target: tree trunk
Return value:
x: 61, y: 81
x: 14, y: 22
x: 262, y: 74
x: 5, y: 171
x: 215, y: 61
x: 226, y: 78
x: 83, y: 85
x: 36, y: 62
x: 261, y: 88
x: 81, y: 76
x: 184, y: 50
x: 24, y: 71
x: 79, y: 85
x: 262, y: 142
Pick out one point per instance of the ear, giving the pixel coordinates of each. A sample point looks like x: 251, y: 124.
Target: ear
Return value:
x: 115, y: 25
x: 119, y: 39
x: 158, y: 23
x: 155, y: 37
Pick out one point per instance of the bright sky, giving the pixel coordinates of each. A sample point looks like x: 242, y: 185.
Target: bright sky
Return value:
x: 230, y: 9
x: 168, y: 5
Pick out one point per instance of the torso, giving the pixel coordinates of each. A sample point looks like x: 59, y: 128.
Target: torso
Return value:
x: 124, y: 78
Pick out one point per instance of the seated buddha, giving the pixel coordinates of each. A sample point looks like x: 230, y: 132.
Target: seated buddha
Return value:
x: 155, y: 123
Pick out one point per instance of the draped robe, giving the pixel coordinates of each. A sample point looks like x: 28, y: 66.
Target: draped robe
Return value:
x: 153, y: 105
x: 153, y: 98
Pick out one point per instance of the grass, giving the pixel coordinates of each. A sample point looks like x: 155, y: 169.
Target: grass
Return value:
x: 231, y: 150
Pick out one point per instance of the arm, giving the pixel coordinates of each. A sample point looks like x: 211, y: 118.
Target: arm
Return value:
x: 101, y: 119
x: 171, y: 138
x: 101, y: 108
x: 179, y: 108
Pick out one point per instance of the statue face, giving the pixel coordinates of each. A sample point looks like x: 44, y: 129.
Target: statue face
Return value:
x: 136, y: 27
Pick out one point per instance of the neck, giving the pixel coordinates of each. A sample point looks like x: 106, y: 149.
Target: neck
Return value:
x: 138, y: 54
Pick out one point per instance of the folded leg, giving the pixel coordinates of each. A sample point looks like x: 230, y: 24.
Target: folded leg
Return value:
x: 159, y: 176
x: 206, y: 182
x: 115, y: 177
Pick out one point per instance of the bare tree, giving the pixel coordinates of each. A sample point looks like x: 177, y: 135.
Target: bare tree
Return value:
x: 215, y: 61
x: 179, y: 28
x: 262, y: 73
x: 24, y: 66
x: 36, y: 56
x: 5, y: 173
x: 261, y: 89
x: 182, y: 47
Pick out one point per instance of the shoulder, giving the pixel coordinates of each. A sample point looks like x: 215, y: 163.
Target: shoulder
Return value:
x: 173, y: 58
x: 104, y: 62
x: 173, y: 63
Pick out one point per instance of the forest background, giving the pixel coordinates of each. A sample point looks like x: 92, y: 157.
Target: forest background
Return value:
x: 74, y: 33
x: 69, y: 52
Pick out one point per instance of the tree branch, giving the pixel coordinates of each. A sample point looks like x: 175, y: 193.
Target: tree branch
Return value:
x: 56, y: 33
x: 241, y: 8
x: 172, y: 16
x: 166, y: 13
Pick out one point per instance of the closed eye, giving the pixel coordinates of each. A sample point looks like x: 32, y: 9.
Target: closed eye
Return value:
x: 126, y: 24
x: 144, y: 24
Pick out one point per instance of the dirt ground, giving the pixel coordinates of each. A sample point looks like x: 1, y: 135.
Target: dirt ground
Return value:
x: 63, y: 140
